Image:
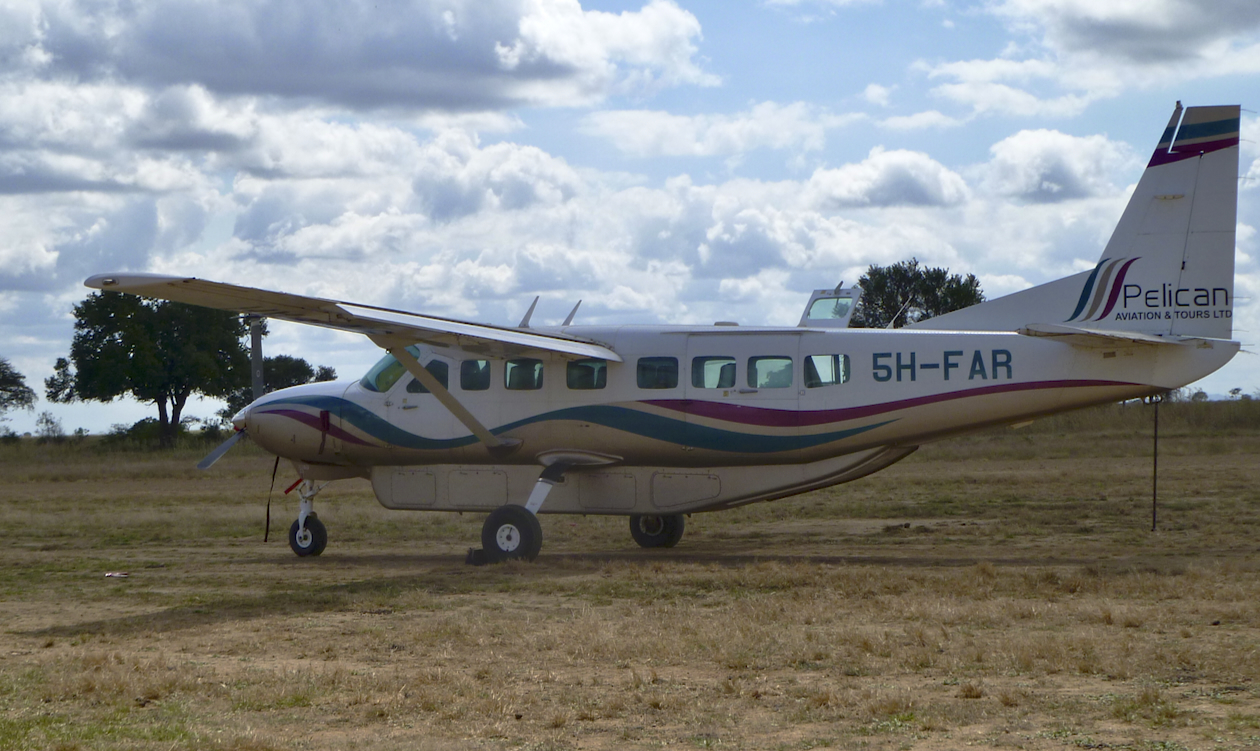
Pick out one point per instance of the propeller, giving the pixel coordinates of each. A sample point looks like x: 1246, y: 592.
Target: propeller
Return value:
x: 256, y: 376
x: 218, y: 453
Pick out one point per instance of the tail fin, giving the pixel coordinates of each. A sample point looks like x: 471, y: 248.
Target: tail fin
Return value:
x: 1168, y: 269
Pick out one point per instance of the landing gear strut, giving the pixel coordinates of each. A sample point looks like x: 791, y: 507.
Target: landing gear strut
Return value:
x: 307, y: 535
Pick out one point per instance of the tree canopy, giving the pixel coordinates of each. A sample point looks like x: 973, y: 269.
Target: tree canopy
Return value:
x: 14, y: 393
x: 279, y: 372
x: 906, y: 293
x: 156, y: 351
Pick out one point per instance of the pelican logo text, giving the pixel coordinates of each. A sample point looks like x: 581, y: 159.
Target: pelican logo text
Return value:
x: 1102, y: 289
x: 1168, y: 296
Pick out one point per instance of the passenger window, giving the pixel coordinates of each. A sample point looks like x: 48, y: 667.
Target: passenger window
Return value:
x: 713, y: 372
x: 826, y: 370
x: 474, y: 375
x: 584, y: 375
x: 770, y: 372
x: 657, y: 372
x: 523, y: 374
x: 440, y: 371
x: 386, y: 372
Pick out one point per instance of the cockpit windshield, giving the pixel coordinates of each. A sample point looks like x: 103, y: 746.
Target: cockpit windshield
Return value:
x: 386, y: 372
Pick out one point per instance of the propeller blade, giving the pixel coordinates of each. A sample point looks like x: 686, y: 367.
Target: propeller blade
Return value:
x: 218, y: 453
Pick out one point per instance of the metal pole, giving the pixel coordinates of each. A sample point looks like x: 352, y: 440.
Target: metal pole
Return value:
x: 1155, y: 464
x: 256, y: 355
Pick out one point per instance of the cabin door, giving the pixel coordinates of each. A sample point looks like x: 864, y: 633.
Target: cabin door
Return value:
x: 742, y: 390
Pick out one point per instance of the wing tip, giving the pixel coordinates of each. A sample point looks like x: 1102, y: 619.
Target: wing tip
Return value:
x: 129, y: 280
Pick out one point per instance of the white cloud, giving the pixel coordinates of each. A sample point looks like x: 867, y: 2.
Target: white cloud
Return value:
x: 876, y: 94
x: 888, y: 178
x: 1049, y: 166
x: 921, y: 121
x: 1074, y: 52
x: 797, y: 126
x: 430, y: 55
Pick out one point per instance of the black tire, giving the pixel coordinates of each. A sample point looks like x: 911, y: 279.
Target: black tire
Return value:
x: 312, y: 543
x: 652, y: 531
x: 511, y: 532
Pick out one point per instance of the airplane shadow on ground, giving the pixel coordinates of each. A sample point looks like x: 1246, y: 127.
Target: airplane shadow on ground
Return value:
x: 447, y: 575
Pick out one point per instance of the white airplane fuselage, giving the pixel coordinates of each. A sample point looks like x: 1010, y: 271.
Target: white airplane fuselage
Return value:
x: 687, y: 447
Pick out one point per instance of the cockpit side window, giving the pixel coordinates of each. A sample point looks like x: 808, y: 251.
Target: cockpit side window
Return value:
x: 440, y: 371
x: 386, y: 372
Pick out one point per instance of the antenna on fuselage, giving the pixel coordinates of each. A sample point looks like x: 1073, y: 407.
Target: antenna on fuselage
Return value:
x: 528, y: 314
x: 569, y: 319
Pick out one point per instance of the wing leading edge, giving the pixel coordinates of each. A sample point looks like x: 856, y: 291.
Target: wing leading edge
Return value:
x: 379, y: 323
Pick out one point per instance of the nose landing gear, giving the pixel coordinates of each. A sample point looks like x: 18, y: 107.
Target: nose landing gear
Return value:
x: 307, y: 535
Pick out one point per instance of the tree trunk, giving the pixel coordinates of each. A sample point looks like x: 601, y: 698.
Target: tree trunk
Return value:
x: 166, y: 438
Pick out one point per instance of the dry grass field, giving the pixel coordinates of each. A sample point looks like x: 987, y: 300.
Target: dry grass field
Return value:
x: 999, y: 590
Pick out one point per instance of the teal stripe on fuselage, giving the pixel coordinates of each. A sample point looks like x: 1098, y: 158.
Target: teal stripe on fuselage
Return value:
x: 625, y: 419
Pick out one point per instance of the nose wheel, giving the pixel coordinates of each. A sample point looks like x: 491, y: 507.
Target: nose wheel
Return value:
x: 307, y: 535
x: 308, y: 539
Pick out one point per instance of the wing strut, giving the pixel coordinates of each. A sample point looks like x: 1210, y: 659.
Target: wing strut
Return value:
x: 496, y: 445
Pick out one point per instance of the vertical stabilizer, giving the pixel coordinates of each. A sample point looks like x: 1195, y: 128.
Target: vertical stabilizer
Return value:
x: 1169, y: 266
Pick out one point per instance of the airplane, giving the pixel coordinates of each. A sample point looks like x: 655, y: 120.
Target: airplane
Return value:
x: 657, y: 422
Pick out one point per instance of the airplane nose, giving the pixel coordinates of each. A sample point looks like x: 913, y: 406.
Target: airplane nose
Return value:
x: 240, y: 420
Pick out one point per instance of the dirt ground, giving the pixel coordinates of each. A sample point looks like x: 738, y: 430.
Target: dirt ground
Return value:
x: 1003, y: 590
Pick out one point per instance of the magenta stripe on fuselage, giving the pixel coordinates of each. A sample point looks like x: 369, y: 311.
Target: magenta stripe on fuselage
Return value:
x: 783, y: 418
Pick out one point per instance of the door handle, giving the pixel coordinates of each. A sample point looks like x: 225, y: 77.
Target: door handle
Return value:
x: 747, y: 391
x: 410, y: 406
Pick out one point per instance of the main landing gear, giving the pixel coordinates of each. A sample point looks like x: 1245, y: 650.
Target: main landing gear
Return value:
x: 652, y: 531
x: 513, y: 531
x: 307, y: 535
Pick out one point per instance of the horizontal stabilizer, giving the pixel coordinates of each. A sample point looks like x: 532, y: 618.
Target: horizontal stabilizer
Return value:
x: 1101, y: 338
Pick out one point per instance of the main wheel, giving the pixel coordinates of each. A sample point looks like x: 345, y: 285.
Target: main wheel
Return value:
x: 652, y: 531
x: 312, y: 540
x: 511, y: 532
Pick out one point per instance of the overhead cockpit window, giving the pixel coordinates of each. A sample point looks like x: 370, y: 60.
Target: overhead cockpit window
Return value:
x: 584, y: 375
x: 523, y: 374
x: 826, y: 370
x: 474, y: 375
x: 770, y: 372
x: 713, y: 372
x: 657, y: 372
x: 440, y: 371
x: 830, y: 308
x: 386, y: 372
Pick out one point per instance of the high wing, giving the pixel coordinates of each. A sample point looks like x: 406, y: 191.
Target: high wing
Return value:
x: 378, y: 323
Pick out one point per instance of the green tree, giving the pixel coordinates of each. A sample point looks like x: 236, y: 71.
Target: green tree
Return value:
x: 279, y: 372
x: 14, y: 393
x: 155, y: 351
x: 906, y: 293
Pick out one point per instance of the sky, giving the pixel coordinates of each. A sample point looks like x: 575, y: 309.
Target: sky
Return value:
x: 674, y: 161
